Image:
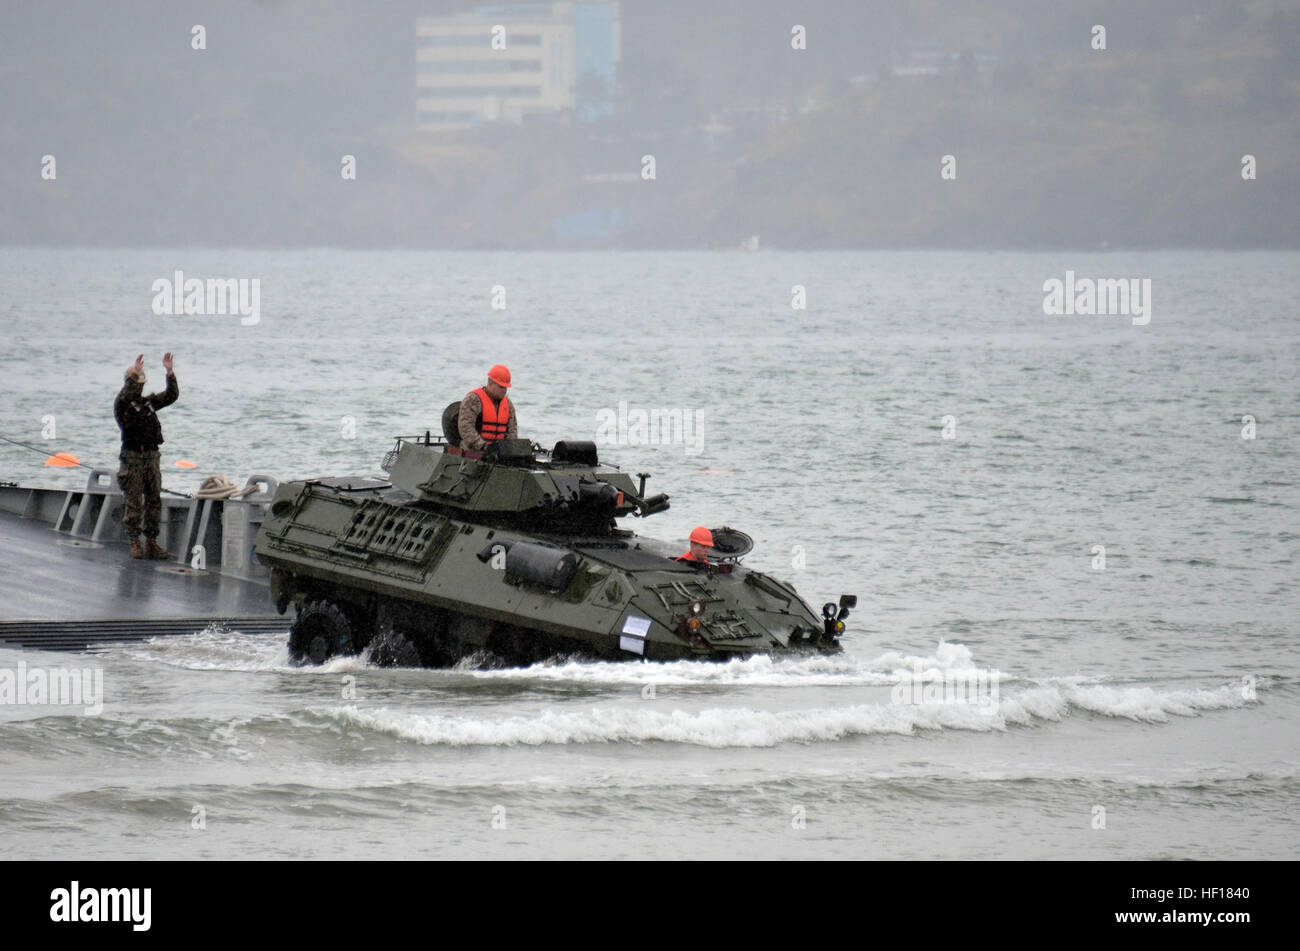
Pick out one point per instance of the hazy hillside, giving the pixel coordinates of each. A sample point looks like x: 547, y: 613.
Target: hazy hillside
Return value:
x: 1055, y: 144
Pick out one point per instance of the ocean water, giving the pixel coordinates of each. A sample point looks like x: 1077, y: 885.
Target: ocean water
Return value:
x: 921, y: 435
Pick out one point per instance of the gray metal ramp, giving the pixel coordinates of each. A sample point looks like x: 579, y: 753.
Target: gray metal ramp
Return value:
x: 87, y: 635
x: 65, y: 593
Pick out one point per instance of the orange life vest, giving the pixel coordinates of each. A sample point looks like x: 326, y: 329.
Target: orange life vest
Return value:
x: 493, y: 417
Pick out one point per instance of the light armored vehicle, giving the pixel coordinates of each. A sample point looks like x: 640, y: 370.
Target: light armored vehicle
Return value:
x: 515, y: 555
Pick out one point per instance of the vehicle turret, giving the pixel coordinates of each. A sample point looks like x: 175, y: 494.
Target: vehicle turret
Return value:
x: 565, y: 489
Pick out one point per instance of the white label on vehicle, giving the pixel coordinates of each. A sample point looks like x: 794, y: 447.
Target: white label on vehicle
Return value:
x: 636, y: 626
x: 634, y: 644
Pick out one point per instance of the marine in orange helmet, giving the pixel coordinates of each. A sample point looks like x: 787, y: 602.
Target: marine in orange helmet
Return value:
x: 701, y: 545
x: 486, y: 414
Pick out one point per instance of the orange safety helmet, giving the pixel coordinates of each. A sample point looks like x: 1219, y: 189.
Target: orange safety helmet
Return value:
x: 500, y: 375
x: 702, y: 536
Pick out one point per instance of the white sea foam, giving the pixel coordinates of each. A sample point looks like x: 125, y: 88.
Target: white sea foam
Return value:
x: 217, y: 649
x: 212, y: 649
x: 744, y: 726
x: 759, y: 671
x: 738, y: 727
x: 1044, y: 700
x: 763, y: 670
x: 948, y: 657
x: 1151, y: 705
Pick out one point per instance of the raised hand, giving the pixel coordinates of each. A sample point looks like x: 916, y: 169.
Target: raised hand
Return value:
x: 167, y: 362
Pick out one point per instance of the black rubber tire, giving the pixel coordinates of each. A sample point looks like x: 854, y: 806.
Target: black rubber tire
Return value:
x: 393, y: 649
x: 320, y: 631
x: 451, y: 424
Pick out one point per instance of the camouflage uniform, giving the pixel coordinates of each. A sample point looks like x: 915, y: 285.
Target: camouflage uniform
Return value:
x: 141, y: 480
x: 471, y: 416
x: 140, y: 476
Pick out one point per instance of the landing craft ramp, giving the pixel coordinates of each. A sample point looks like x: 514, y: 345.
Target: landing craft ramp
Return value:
x: 67, y: 581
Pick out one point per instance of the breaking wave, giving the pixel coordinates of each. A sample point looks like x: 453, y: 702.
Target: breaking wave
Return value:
x: 749, y: 727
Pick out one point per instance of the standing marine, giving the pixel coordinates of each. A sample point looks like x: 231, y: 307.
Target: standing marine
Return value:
x: 140, y: 475
x: 486, y: 414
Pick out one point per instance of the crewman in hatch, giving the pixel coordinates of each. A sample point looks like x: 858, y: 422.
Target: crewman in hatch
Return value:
x: 486, y: 414
x: 701, y: 546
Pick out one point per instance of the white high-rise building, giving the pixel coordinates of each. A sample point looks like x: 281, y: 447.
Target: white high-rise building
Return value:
x: 503, y: 63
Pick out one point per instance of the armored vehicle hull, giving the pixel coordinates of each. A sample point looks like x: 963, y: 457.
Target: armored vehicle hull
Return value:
x: 515, y: 558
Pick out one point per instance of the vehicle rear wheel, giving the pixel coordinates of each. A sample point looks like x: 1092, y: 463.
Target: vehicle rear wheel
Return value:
x: 392, y: 648
x: 320, y: 631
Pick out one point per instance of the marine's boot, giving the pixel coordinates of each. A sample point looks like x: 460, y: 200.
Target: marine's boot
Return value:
x: 137, y: 550
x: 157, y: 551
